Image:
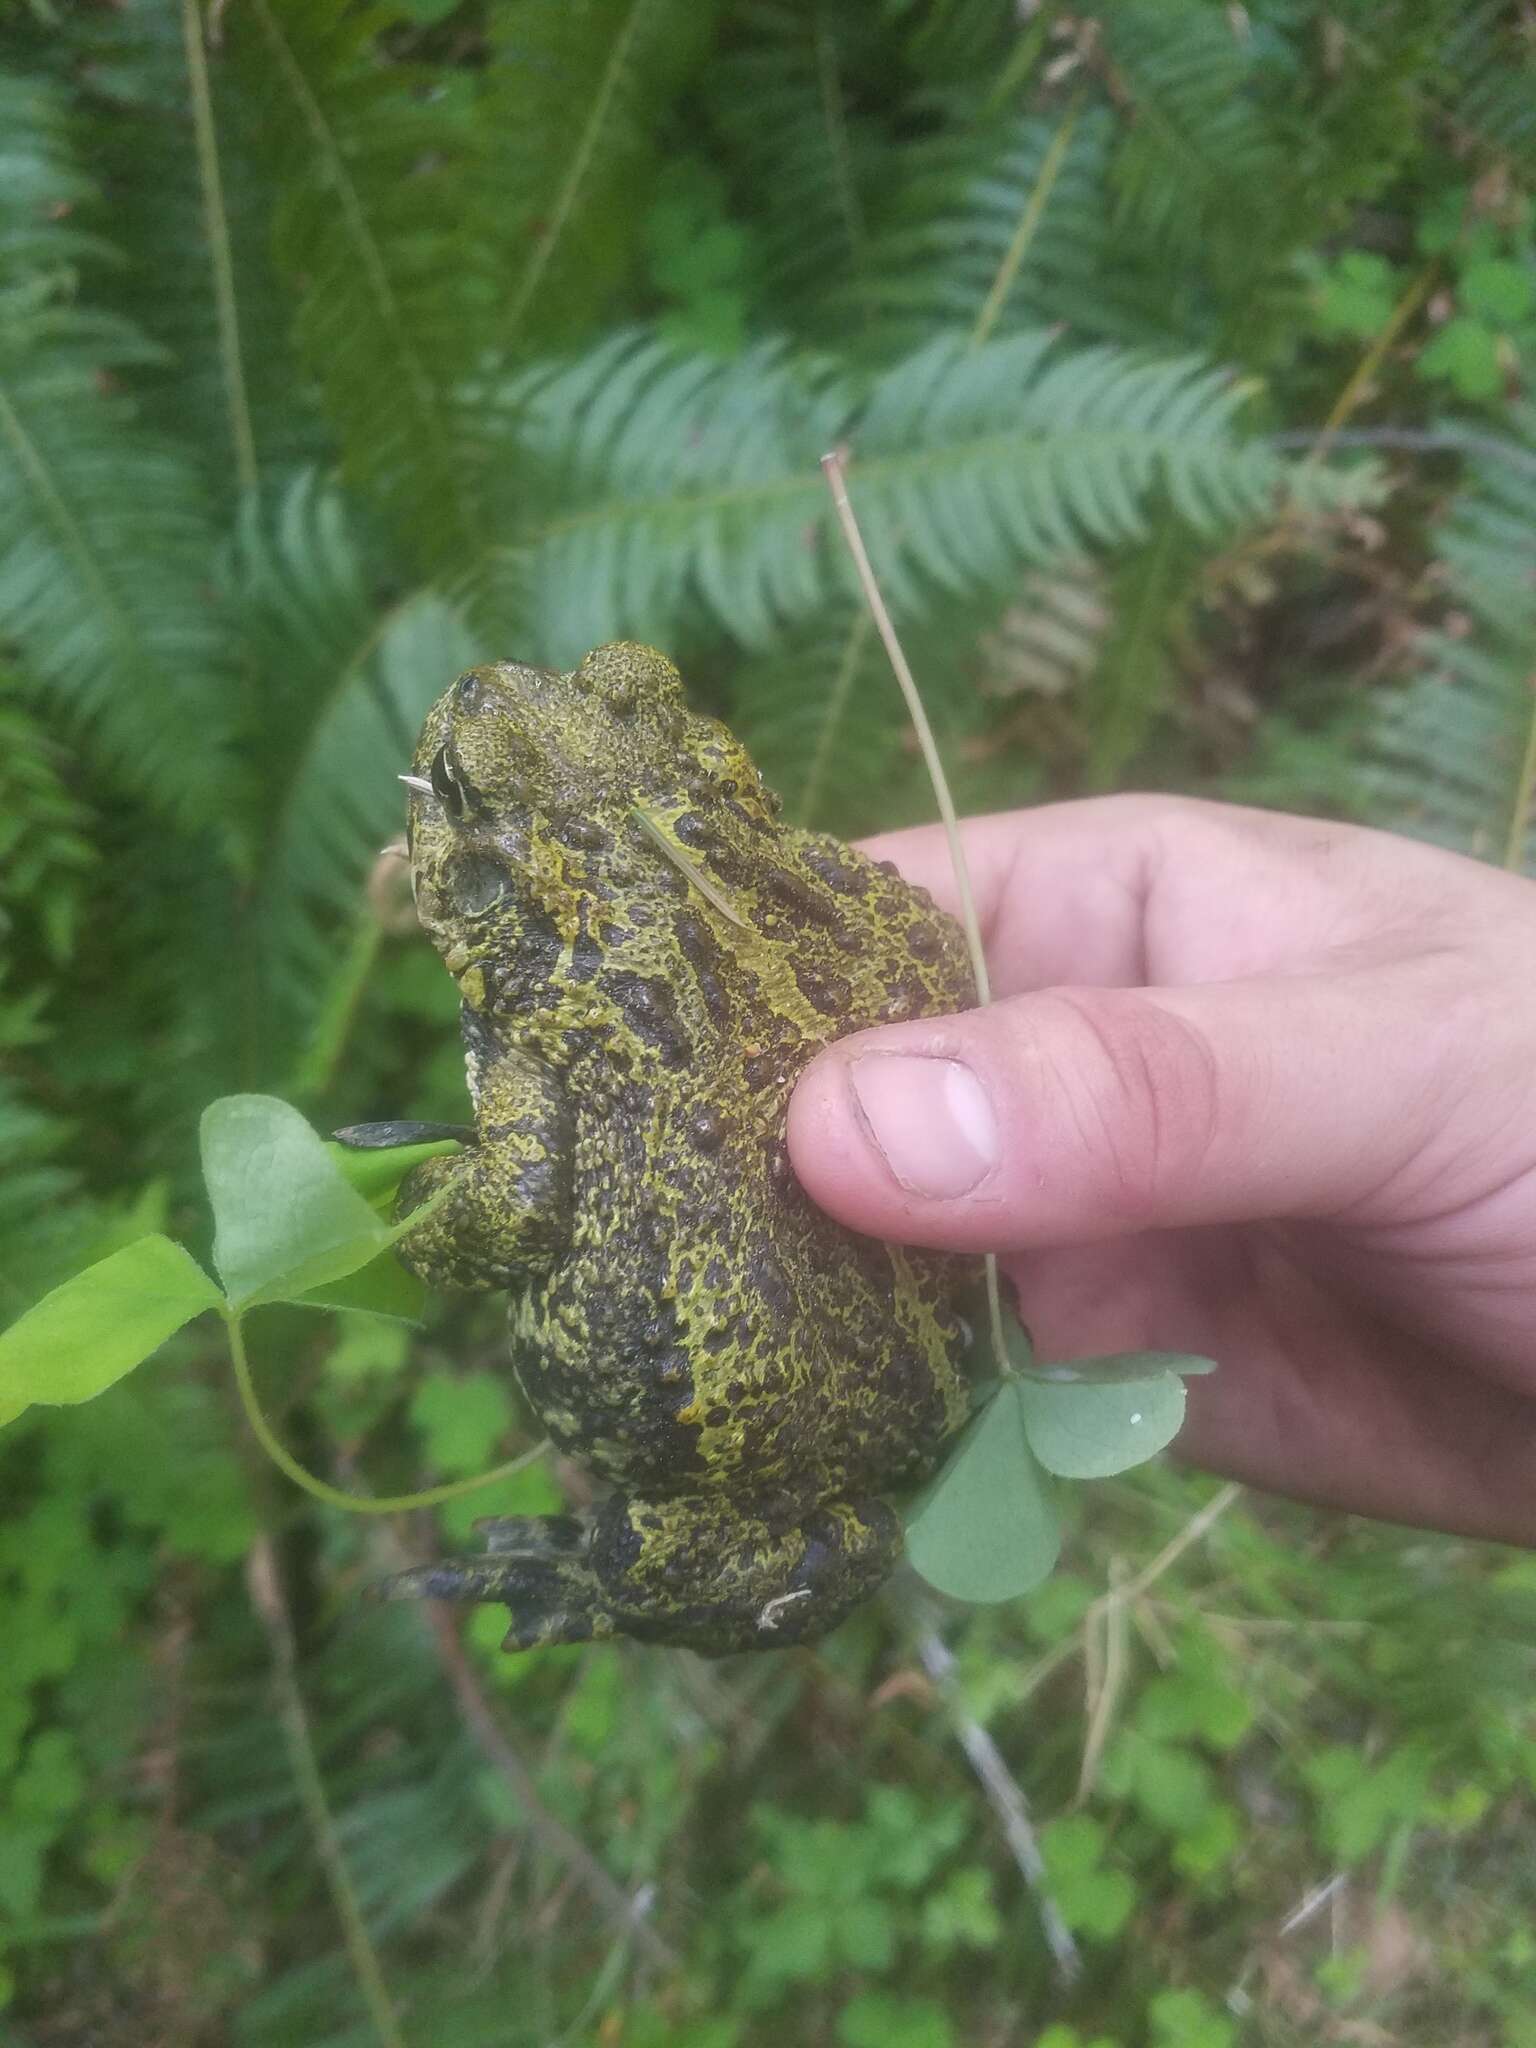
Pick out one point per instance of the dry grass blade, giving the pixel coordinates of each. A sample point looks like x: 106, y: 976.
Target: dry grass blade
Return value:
x: 835, y: 470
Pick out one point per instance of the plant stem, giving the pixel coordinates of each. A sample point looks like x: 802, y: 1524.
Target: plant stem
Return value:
x: 216, y: 226
x: 333, y: 1496
x: 546, y: 232
x: 1525, y: 793
x: 655, y: 829
x: 1029, y: 222
x: 832, y: 716
x: 328, y: 1041
x: 829, y: 85
x: 1359, y: 380
x: 267, y: 1598
x: 626, y: 1913
x: 1006, y: 1797
x: 837, y: 482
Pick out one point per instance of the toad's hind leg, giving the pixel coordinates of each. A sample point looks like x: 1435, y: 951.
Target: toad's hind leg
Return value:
x: 717, y: 1572
x: 701, y: 1571
x: 537, y: 1566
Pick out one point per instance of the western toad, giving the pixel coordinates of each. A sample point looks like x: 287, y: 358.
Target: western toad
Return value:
x: 647, y: 958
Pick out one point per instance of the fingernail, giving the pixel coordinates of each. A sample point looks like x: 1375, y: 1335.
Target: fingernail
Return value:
x: 929, y: 1119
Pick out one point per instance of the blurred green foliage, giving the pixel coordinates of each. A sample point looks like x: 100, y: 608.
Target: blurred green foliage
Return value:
x: 341, y: 344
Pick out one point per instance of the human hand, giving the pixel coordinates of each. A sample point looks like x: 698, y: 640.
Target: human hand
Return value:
x: 1252, y: 1085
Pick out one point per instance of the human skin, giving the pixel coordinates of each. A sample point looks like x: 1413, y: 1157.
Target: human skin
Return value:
x: 1251, y: 1085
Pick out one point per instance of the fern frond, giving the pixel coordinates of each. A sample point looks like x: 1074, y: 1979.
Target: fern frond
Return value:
x: 385, y: 229
x: 46, y: 1222
x: 667, y: 472
x: 573, y: 100
x: 1051, y: 634
x: 692, y: 487
x: 1150, y: 595
x: 45, y: 861
x: 822, y: 714
x: 105, y: 544
x: 105, y: 532
x: 1451, y: 757
x: 1488, y: 81
x: 224, y: 382
x: 962, y: 42
x: 807, y: 155
x: 818, y: 713
x: 1200, y: 157
x: 1012, y: 221
x: 41, y: 184
x: 340, y: 689
x: 1351, y: 105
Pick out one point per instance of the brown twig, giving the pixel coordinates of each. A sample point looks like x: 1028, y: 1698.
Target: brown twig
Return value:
x: 551, y: 1833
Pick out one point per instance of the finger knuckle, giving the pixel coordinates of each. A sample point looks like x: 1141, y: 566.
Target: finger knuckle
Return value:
x: 1139, y: 1085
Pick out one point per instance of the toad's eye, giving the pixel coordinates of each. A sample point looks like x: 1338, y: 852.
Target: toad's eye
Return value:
x: 446, y: 783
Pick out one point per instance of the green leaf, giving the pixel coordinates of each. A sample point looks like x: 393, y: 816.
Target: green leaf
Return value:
x: 22, y: 1850
x: 50, y: 1784
x: 1092, y: 1900
x: 1466, y: 354
x: 1185, y: 1702
x: 1357, y: 295
x: 381, y: 1288
x: 1170, y: 1785
x: 866, y: 1933
x: 286, y: 1221
x: 94, y: 1328
x: 1088, y: 1431
x: 787, y: 1946
x: 875, y: 2019
x: 1123, y: 1368
x: 984, y: 1528
x: 1357, y: 1805
x: 1210, y: 1842
x: 1186, y: 2019
x: 462, y: 1416
x: 376, y: 1174
x: 1498, y: 290
x: 961, y: 1913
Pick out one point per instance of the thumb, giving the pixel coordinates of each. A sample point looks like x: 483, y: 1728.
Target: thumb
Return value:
x: 1083, y: 1113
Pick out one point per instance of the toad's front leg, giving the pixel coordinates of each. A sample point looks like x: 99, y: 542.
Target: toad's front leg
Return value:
x: 506, y: 1207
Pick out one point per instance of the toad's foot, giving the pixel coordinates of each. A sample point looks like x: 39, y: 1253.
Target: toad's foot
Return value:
x: 699, y: 1571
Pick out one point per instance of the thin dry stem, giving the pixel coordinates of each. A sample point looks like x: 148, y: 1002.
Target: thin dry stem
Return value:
x: 1028, y: 227
x: 551, y: 1833
x: 266, y: 1590
x: 1104, y: 1676
x: 1004, y: 1795
x: 1525, y: 794
x: 836, y: 473
x: 1359, y: 381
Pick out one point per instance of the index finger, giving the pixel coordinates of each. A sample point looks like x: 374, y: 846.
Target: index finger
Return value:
x: 1132, y: 891
x: 1059, y: 891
